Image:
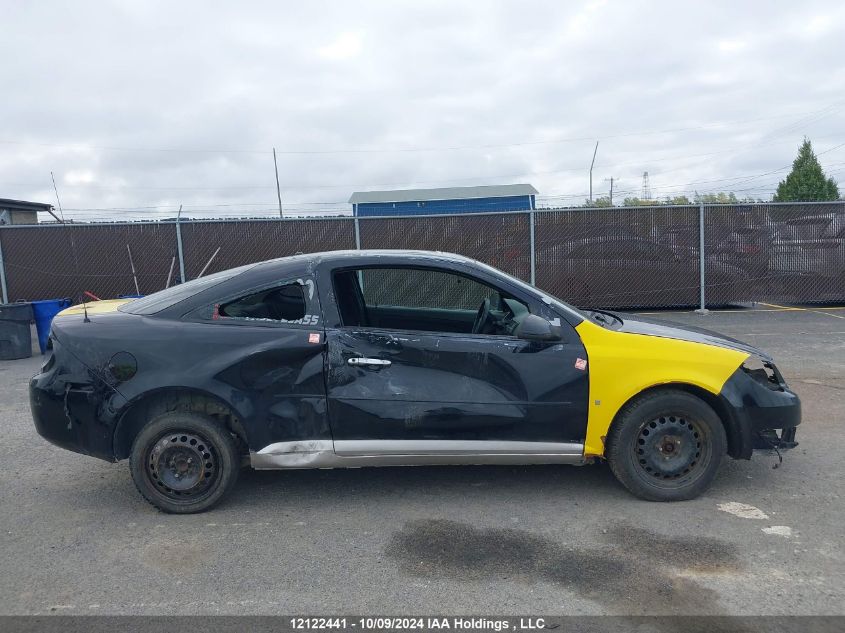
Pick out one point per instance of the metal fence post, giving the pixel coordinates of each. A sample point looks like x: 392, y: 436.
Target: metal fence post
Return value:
x: 702, y: 309
x: 357, y: 234
x: 179, y: 244
x: 533, y: 248
x: 3, y: 275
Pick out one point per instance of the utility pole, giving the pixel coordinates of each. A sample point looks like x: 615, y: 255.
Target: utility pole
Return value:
x: 278, y: 188
x: 593, y: 162
x: 611, y: 179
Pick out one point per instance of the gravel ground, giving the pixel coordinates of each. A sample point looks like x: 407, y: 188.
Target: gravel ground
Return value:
x: 78, y: 539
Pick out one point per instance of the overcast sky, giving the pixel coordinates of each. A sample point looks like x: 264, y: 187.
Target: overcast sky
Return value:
x: 145, y: 104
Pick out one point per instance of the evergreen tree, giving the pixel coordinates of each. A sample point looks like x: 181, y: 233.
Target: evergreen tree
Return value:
x: 806, y: 182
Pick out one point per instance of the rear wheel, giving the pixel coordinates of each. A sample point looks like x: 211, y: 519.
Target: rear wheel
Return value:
x: 184, y: 462
x: 666, y: 446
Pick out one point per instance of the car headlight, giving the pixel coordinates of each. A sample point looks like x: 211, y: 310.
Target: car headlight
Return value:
x: 764, y: 372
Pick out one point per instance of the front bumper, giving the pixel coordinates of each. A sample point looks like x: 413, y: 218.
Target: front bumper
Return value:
x: 765, y: 414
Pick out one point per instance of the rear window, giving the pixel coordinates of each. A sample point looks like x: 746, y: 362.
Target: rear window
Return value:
x: 285, y: 303
x: 158, y: 301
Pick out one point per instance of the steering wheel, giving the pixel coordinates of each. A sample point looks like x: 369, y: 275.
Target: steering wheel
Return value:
x: 482, y: 317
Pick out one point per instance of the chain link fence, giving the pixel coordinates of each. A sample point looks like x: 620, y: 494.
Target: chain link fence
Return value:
x: 657, y: 257
x: 502, y: 240
x: 57, y: 261
x: 247, y: 241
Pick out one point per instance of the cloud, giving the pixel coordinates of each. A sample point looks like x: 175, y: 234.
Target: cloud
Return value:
x: 344, y: 46
x: 132, y: 109
x: 732, y: 46
x: 79, y: 177
x: 818, y: 25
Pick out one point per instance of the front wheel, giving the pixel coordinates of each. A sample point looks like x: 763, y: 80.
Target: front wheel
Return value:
x: 666, y: 446
x: 184, y: 462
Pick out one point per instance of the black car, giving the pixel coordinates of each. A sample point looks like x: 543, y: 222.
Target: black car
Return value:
x: 375, y: 358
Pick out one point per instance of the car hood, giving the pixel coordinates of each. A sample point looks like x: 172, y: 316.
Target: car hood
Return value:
x: 666, y: 329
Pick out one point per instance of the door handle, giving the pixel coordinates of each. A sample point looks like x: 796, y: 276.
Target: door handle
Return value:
x: 357, y: 361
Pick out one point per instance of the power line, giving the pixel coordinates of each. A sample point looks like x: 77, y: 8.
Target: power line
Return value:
x: 304, y: 186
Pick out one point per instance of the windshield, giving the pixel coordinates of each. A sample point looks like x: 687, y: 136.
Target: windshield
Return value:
x: 162, y: 299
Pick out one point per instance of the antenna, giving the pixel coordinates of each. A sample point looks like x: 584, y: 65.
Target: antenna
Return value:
x: 58, y: 202
x: 646, y: 192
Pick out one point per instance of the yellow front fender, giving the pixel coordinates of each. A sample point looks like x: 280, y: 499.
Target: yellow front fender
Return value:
x: 623, y: 364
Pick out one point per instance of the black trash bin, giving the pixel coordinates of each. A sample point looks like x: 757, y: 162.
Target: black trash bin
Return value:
x: 15, y: 335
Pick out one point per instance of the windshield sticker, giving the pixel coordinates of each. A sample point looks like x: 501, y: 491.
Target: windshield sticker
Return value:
x: 314, y: 337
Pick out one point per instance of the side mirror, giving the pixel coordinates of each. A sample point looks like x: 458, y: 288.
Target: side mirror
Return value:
x: 536, y: 328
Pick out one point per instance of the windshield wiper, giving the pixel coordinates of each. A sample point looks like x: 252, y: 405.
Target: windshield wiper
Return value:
x: 602, y: 317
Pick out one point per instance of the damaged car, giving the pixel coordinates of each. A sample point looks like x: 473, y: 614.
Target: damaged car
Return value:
x: 392, y: 358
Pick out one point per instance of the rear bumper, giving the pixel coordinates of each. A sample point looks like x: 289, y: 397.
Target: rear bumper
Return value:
x: 764, y: 415
x: 69, y: 413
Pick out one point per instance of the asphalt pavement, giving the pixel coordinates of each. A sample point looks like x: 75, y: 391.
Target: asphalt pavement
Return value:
x: 78, y: 539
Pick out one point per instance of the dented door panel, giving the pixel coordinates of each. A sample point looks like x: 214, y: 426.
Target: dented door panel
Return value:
x: 454, y: 387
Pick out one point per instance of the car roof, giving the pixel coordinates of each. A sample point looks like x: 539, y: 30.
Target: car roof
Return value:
x: 273, y: 270
x: 307, y: 262
x: 270, y: 271
x: 352, y: 256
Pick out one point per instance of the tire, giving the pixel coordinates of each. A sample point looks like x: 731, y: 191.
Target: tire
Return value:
x: 666, y: 446
x: 184, y: 462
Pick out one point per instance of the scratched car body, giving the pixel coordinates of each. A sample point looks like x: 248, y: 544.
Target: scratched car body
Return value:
x: 387, y: 358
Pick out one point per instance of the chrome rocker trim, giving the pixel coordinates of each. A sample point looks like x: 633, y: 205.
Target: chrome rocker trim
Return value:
x: 360, y: 453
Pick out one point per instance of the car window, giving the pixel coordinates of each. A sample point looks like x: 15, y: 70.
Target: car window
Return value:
x: 808, y: 228
x: 290, y: 302
x: 162, y: 299
x: 427, y: 300
x: 284, y: 303
x: 836, y: 227
x: 422, y: 289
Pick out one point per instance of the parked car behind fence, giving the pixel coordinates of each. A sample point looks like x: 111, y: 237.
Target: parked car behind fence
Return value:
x: 810, y: 251
x: 753, y: 252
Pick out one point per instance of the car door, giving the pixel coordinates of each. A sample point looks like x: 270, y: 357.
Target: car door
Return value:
x: 405, y: 372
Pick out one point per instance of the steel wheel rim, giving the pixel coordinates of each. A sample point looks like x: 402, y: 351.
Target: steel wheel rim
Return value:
x: 672, y: 450
x: 182, y: 465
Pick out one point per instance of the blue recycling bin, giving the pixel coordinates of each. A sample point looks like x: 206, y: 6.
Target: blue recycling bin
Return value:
x: 43, y: 313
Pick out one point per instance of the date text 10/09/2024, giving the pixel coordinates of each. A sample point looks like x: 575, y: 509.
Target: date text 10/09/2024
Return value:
x: 417, y: 623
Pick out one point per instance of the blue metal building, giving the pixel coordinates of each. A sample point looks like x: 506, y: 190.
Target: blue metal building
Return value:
x: 446, y: 200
